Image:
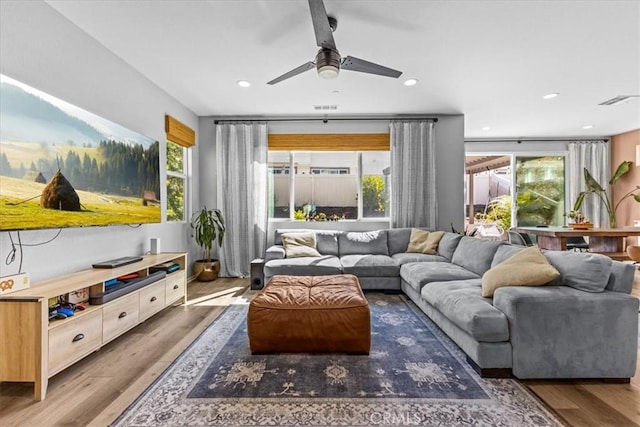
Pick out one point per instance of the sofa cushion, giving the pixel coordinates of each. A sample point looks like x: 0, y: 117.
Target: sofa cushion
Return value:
x: 528, y: 267
x: 370, y: 265
x: 505, y: 252
x: 298, y: 245
x: 448, y: 244
x: 406, y: 258
x: 418, y: 274
x: 367, y: 242
x: 274, y: 252
x: 398, y: 240
x: 305, y: 266
x: 475, y: 254
x: 460, y: 301
x: 621, y: 278
x: 424, y: 242
x: 584, y: 271
x: 326, y: 240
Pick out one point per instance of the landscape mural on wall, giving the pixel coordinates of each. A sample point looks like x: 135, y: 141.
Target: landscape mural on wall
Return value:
x: 62, y: 166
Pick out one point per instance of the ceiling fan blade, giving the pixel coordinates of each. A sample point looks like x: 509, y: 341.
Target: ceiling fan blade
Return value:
x: 357, y: 64
x: 324, y: 35
x: 298, y: 70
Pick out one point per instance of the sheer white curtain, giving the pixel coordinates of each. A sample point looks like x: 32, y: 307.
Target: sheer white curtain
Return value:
x: 413, y: 174
x: 241, y: 150
x: 595, y: 156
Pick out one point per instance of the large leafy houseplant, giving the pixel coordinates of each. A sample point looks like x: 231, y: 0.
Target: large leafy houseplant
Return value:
x: 207, y: 228
x: 593, y: 187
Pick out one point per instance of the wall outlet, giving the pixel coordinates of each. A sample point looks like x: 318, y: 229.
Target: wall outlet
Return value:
x: 14, y: 283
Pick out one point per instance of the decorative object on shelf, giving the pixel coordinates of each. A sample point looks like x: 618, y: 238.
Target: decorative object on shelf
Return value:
x: 634, y: 253
x: 580, y: 226
x: 208, y: 228
x: 577, y: 221
x: 593, y: 187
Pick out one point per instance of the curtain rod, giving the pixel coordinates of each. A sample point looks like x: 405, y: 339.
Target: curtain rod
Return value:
x: 519, y: 140
x: 328, y: 119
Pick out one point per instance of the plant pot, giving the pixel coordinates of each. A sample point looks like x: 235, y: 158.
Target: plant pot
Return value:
x: 206, y: 270
x: 634, y: 253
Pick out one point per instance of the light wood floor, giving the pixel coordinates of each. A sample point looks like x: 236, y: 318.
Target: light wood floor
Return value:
x: 97, y: 389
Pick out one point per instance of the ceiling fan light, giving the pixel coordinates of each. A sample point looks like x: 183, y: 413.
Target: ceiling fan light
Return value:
x: 328, y: 63
x: 328, y: 72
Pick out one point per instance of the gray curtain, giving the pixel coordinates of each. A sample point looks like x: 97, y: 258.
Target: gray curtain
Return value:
x: 595, y: 156
x: 413, y: 174
x: 241, y: 150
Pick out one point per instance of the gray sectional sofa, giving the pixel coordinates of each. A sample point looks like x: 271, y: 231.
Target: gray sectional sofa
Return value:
x: 583, y: 325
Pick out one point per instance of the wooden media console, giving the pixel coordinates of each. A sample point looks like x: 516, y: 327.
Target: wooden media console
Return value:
x: 34, y: 348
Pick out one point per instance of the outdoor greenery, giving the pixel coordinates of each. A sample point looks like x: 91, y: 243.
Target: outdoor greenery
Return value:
x: 175, y: 185
x: 539, y: 195
x: 373, y: 197
x: 498, y: 211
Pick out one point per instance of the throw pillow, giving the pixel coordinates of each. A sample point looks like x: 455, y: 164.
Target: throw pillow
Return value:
x: 424, y: 242
x: 529, y: 267
x: 298, y: 245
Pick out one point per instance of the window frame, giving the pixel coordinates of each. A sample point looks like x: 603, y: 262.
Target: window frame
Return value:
x: 359, y: 181
x: 184, y: 176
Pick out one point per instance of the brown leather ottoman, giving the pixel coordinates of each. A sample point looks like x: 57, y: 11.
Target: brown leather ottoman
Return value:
x: 310, y: 314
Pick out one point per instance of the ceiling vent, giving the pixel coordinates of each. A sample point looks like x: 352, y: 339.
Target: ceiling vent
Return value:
x: 325, y: 107
x: 619, y: 99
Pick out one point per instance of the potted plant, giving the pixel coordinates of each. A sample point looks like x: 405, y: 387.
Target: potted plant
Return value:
x: 208, y: 228
x: 593, y: 187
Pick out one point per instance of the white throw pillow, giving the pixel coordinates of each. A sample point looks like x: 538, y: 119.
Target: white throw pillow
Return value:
x: 298, y: 245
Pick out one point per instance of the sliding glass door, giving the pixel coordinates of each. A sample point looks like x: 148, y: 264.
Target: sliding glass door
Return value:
x: 539, y: 190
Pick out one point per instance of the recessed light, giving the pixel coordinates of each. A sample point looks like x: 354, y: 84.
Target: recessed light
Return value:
x: 243, y: 83
x: 486, y: 128
x: 587, y: 127
x: 551, y: 95
x: 335, y: 92
x: 411, y: 82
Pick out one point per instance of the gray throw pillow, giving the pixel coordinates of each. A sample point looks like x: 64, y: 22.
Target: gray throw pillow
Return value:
x: 584, y: 271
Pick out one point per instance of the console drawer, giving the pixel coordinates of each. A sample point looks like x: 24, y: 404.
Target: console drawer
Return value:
x: 119, y: 316
x: 175, y: 284
x: 74, y: 340
x: 152, y: 299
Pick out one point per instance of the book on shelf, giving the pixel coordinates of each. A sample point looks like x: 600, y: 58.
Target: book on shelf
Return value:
x: 168, y: 267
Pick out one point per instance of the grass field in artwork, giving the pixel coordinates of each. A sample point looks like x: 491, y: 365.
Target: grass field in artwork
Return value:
x: 20, y: 208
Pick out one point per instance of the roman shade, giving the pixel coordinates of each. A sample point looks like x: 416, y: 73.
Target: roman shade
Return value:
x: 329, y: 142
x: 178, y: 132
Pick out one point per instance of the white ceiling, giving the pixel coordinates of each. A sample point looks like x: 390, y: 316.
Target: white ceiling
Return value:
x: 489, y: 60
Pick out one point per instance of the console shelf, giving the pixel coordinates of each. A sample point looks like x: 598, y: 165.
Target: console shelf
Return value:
x: 35, y: 348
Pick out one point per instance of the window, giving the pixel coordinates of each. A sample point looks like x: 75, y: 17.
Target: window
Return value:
x: 376, y: 177
x: 540, y: 191
x: 331, y: 171
x: 279, y: 169
x: 176, y: 181
x: 328, y: 185
x: 321, y: 188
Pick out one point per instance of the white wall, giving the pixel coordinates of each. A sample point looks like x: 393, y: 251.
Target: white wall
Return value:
x: 41, y: 48
x: 450, y: 167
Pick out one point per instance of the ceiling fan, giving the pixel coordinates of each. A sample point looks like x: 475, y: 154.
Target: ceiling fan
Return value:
x: 328, y: 61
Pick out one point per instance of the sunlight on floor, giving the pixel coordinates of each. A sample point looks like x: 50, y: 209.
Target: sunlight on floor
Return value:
x: 213, y: 299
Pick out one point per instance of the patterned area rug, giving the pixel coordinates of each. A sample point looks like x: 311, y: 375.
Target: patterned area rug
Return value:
x: 414, y: 376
